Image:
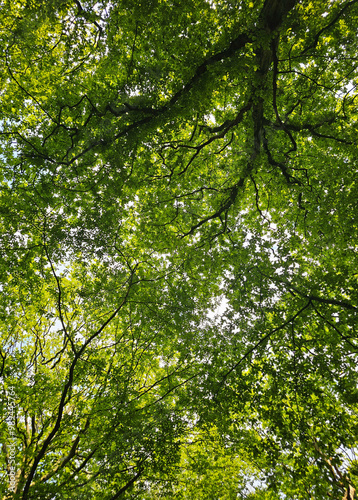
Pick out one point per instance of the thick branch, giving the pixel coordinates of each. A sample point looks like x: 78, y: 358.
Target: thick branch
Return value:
x: 128, y: 485
x: 66, y: 390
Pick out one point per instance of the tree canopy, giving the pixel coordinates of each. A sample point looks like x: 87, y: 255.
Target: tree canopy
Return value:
x: 179, y: 214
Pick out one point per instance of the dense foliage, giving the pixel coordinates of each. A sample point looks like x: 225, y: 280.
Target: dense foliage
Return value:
x: 179, y: 214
